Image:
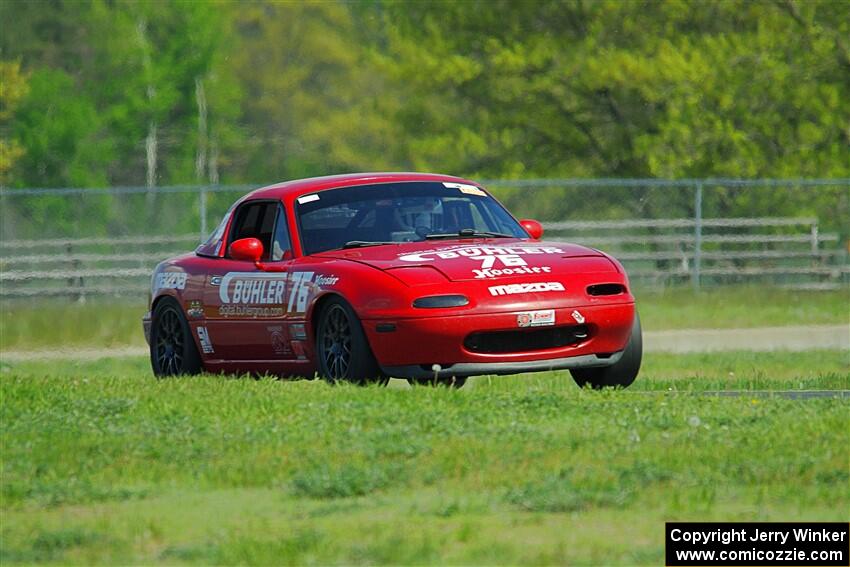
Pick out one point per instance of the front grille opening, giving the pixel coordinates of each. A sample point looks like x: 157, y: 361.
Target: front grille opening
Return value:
x: 606, y: 289
x: 524, y: 340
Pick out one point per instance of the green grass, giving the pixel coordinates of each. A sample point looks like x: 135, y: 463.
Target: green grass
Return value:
x: 98, y: 322
x: 50, y: 323
x: 103, y: 463
x: 741, y: 307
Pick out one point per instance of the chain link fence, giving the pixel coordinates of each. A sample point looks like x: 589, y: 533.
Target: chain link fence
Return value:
x: 709, y: 232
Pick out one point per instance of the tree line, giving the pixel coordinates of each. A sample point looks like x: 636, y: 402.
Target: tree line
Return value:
x: 110, y: 92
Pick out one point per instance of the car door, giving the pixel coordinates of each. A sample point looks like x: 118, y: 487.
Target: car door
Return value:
x: 245, y: 306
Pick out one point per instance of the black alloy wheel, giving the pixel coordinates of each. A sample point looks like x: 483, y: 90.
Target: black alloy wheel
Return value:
x: 343, y: 350
x: 173, y: 351
x: 336, y: 343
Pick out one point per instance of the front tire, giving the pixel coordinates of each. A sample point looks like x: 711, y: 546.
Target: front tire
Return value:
x: 341, y: 346
x: 619, y: 375
x: 173, y: 350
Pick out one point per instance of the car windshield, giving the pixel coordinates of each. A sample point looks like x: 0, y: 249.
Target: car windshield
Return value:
x: 399, y: 212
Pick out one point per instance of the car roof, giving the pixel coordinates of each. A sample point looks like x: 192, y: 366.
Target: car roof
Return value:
x: 290, y: 189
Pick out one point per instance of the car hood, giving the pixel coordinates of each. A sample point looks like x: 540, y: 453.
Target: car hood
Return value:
x: 463, y: 260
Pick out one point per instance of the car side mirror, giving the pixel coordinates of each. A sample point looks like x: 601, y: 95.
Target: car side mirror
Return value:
x: 247, y: 249
x: 533, y: 228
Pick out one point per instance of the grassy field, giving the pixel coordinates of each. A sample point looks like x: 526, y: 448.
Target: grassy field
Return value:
x: 103, y: 463
x: 45, y: 324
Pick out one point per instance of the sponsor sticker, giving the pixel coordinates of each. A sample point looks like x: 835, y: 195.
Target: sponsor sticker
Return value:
x: 298, y: 331
x: 540, y: 318
x: 195, y: 309
x: 479, y: 252
x: 170, y: 280
x: 494, y: 260
x: 262, y: 294
x: 322, y: 279
x: 204, y: 339
x: 278, y: 340
x: 486, y: 274
x: 579, y: 318
x: 252, y: 288
x: 250, y: 311
x: 537, y: 287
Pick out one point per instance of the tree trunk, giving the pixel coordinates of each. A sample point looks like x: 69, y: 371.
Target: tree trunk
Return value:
x: 151, y: 140
x: 150, y: 155
x: 201, y: 156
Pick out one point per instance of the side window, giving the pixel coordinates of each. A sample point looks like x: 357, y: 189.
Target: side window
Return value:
x: 255, y: 220
x: 281, y: 247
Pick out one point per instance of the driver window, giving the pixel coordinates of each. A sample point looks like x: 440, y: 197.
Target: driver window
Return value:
x: 256, y: 220
x: 282, y: 249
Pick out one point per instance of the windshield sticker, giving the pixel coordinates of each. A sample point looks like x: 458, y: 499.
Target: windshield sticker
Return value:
x: 513, y: 289
x: 466, y: 188
x: 542, y: 318
x: 308, y: 199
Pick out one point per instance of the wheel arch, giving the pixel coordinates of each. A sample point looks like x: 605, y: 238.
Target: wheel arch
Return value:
x: 162, y: 297
x: 316, y: 310
x: 189, y: 322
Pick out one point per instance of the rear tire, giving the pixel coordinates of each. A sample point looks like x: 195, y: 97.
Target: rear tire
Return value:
x: 619, y: 375
x: 341, y: 347
x: 173, y: 350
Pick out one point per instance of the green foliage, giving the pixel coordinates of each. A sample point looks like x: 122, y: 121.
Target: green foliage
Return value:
x: 102, y: 463
x: 60, y: 135
x: 490, y: 89
x: 13, y: 87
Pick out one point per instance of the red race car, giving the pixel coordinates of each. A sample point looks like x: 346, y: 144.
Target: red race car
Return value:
x: 369, y: 276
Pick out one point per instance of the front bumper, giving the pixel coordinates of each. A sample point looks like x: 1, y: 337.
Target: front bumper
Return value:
x: 420, y: 372
x: 415, y: 345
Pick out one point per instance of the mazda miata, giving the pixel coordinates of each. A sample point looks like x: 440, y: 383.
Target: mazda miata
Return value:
x: 364, y: 277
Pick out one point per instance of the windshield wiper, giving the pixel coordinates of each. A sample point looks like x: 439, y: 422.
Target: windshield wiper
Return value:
x: 468, y: 233
x: 364, y: 243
